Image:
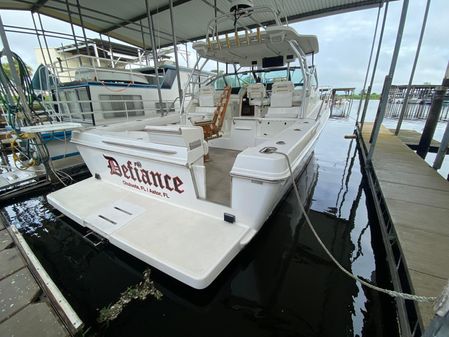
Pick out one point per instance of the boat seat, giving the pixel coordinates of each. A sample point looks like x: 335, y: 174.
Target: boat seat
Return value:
x: 282, y: 94
x: 257, y: 94
x: 212, y: 128
x: 297, y: 97
x: 207, y: 96
x: 281, y: 103
x: 206, y: 104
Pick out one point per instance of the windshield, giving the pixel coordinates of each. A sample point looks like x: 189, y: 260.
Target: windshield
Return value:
x: 266, y: 77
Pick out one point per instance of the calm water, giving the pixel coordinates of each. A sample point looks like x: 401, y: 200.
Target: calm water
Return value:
x: 282, y: 284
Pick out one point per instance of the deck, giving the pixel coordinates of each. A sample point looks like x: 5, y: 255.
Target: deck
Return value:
x: 25, y: 305
x: 218, y: 179
x: 417, y: 200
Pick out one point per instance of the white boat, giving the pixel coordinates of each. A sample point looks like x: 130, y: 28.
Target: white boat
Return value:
x: 187, y: 197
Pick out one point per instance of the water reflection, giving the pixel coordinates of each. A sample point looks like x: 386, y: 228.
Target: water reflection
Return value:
x: 282, y: 284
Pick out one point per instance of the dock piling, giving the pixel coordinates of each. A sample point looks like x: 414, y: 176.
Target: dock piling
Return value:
x: 442, y: 149
x: 434, y: 115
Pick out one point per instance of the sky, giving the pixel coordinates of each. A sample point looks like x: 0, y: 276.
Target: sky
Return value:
x: 345, y: 42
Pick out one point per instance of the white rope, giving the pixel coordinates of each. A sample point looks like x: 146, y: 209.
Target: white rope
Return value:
x: 392, y: 293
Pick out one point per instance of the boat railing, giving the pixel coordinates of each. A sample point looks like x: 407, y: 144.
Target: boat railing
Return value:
x: 237, y: 17
x: 195, y: 79
x: 106, y: 110
x: 91, y: 68
x: 326, y: 101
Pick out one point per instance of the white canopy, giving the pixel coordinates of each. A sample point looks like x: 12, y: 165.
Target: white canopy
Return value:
x: 251, y: 50
x: 125, y: 20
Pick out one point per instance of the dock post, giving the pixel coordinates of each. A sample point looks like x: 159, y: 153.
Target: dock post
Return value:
x: 387, y: 83
x: 442, y: 150
x: 412, y: 74
x: 434, y: 115
x: 155, y: 57
x: 373, y: 74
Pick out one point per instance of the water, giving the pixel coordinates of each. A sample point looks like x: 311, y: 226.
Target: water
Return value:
x: 282, y: 284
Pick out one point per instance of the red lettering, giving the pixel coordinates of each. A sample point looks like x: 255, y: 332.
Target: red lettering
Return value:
x: 177, y: 184
x: 145, y: 177
x: 113, y: 166
x: 157, y: 179
x: 167, y: 179
x: 136, y: 173
x: 125, y: 172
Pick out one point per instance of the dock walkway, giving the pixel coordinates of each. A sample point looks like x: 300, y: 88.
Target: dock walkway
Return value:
x: 411, y: 139
x: 417, y: 200
x: 25, y: 308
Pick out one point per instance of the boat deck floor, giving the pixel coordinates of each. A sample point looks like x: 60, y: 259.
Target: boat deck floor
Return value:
x: 190, y: 246
x: 218, y: 180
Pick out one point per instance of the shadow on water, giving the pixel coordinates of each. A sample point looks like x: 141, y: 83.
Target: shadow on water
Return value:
x: 282, y: 284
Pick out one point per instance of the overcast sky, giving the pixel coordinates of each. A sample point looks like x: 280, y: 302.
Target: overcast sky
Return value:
x: 345, y: 42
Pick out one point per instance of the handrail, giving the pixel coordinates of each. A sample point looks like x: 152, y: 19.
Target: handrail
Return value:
x: 214, y: 22
x: 129, y: 68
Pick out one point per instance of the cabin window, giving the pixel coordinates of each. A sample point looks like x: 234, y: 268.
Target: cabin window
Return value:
x: 114, y: 106
x: 76, y: 102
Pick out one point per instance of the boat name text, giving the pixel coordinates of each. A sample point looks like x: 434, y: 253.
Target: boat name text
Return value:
x: 135, y: 172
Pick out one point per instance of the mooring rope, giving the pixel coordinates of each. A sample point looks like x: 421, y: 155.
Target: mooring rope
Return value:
x: 389, y: 292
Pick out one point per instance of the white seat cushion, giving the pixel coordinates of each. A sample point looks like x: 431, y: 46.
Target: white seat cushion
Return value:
x: 257, y: 94
x: 207, y: 96
x: 282, y: 94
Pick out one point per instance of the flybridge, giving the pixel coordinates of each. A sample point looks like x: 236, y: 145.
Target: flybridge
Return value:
x: 135, y: 172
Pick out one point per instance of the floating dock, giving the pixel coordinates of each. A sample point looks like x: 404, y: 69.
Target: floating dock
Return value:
x: 30, y: 304
x: 413, y: 202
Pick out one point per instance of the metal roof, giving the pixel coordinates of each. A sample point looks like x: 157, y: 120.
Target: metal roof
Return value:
x: 125, y: 20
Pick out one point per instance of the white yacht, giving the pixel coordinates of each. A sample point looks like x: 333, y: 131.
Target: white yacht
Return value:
x: 187, y: 197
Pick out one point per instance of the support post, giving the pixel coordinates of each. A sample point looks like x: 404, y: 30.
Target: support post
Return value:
x: 84, y: 33
x: 387, y: 83
x: 143, y: 43
x: 362, y: 96
x: 412, y: 74
x: 434, y: 115
x: 154, y: 48
x: 111, y: 52
x: 442, y: 150
x: 45, y: 39
x: 38, y: 39
x: 175, y: 46
x: 373, y: 74
x: 73, y: 30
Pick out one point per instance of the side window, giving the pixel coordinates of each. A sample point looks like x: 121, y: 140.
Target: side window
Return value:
x: 121, y: 106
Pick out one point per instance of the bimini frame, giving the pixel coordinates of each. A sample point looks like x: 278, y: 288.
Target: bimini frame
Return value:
x: 213, y: 42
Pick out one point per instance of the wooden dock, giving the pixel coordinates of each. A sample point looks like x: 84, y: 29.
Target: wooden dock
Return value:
x: 416, y: 199
x: 30, y: 304
x: 411, y: 139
